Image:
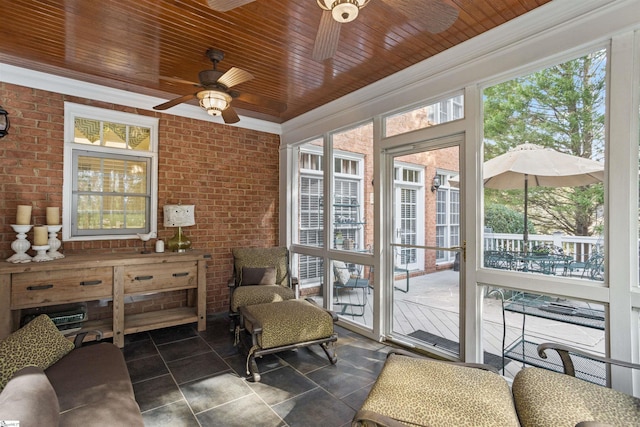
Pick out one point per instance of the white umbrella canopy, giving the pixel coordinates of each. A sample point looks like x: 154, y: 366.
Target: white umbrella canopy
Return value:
x: 530, y: 165
x: 541, y: 167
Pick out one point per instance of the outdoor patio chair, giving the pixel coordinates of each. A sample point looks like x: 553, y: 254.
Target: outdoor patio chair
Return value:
x: 592, y: 269
x: 260, y: 275
x: 349, y: 278
x: 499, y: 259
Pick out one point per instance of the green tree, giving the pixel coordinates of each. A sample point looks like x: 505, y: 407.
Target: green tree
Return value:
x: 502, y: 219
x: 561, y: 107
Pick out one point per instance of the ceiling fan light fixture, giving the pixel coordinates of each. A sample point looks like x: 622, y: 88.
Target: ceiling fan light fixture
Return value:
x: 214, y: 101
x: 343, y: 11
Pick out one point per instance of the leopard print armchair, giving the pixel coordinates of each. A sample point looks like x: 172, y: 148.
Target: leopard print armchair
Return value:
x: 260, y: 275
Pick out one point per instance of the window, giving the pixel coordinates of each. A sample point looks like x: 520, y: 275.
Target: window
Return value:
x: 562, y: 108
x: 110, y: 170
x: 346, y: 206
x: 346, y: 203
x: 422, y: 117
x: 447, y: 218
x: 409, y: 212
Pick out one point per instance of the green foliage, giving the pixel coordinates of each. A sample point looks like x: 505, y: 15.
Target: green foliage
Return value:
x: 502, y: 219
x: 563, y: 108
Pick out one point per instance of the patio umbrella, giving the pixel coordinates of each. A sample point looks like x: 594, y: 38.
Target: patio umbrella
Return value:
x: 530, y: 165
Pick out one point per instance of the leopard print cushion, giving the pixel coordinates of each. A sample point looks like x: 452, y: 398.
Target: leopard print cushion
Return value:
x: 546, y: 398
x: 424, y: 392
x: 291, y: 322
x: 262, y: 257
x: 259, y: 294
x: 38, y: 343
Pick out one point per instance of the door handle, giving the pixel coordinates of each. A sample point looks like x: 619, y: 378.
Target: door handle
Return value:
x: 462, y: 249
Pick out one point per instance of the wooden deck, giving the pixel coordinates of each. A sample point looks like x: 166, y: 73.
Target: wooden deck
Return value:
x: 432, y: 306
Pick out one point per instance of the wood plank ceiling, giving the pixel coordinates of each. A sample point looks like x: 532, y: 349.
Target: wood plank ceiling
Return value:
x: 135, y: 44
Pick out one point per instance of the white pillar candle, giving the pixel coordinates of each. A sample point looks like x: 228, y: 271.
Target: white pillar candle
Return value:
x: 24, y: 215
x: 40, y: 236
x: 53, y: 216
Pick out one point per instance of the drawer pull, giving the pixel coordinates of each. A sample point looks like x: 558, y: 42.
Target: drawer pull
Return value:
x: 39, y: 287
x: 186, y: 273
x: 143, y: 277
x: 90, y: 282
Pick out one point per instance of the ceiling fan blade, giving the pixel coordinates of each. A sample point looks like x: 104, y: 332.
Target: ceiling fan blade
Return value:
x: 175, y: 101
x: 229, y: 115
x: 178, y: 80
x: 271, y: 104
x: 435, y: 15
x: 327, y: 37
x: 234, y: 76
x: 225, y: 5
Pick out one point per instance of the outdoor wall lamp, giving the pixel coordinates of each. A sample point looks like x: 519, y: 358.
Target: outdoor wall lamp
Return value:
x: 4, y: 122
x: 435, y: 184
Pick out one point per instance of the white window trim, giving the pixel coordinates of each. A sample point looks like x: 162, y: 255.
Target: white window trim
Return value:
x: 72, y: 110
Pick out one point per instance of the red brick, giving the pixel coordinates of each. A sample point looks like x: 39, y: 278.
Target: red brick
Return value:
x: 216, y: 167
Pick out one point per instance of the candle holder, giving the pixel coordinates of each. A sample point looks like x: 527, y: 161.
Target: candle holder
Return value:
x: 54, y: 242
x: 41, y: 255
x: 21, y: 245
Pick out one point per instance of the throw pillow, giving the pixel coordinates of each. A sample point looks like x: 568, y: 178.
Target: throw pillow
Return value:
x: 258, y: 276
x: 39, y: 343
x: 341, y: 271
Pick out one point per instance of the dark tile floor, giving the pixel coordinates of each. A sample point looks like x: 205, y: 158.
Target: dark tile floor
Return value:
x: 182, y: 377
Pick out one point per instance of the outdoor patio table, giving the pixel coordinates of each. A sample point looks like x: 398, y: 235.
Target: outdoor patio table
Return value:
x: 545, y: 308
x: 524, y: 351
x: 541, y: 263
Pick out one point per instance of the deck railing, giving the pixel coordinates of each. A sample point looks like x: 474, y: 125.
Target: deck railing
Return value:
x: 579, y: 247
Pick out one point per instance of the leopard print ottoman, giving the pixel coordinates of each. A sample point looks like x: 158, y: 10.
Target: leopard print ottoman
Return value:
x: 285, y: 325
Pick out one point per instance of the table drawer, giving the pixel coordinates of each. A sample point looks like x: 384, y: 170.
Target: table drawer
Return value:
x: 178, y: 275
x: 39, y: 288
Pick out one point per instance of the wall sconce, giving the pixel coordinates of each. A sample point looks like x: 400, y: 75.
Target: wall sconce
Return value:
x: 4, y: 122
x: 435, y: 184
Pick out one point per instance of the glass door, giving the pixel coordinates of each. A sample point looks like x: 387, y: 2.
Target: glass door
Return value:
x: 425, y: 242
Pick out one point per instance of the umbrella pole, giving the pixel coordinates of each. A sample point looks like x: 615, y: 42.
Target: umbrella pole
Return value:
x: 526, y: 197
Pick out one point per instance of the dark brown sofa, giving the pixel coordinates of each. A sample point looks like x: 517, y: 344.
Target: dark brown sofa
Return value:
x: 93, y: 388
x: 87, y: 386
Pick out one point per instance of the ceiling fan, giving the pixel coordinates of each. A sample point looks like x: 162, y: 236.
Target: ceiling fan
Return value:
x: 434, y: 15
x: 215, y: 95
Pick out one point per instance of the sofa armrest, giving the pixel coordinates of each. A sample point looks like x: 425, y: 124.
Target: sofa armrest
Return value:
x: 30, y: 398
x: 565, y: 352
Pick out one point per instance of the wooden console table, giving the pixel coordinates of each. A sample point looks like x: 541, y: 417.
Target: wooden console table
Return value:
x: 79, y: 278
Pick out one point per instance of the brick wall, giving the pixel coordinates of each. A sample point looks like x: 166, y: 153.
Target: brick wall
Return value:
x: 230, y: 174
